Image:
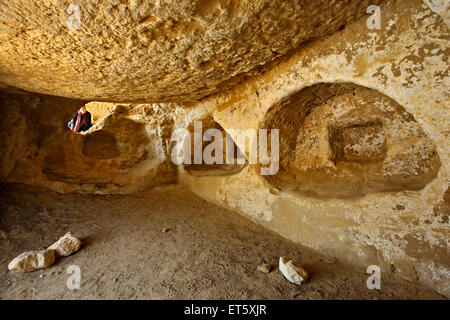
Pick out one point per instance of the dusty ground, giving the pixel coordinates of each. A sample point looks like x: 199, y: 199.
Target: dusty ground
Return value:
x: 208, y: 253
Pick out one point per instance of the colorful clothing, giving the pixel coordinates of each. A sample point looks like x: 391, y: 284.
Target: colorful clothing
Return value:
x: 81, y: 122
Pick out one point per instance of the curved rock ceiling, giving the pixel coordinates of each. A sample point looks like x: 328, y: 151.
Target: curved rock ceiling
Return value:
x: 174, y: 50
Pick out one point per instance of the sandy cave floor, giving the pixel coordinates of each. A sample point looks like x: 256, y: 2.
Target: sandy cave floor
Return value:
x: 208, y: 253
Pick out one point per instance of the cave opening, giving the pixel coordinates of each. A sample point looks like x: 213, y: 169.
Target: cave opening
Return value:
x: 349, y: 96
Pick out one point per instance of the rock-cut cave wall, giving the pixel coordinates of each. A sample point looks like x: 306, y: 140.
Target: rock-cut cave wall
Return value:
x: 364, y: 145
x: 363, y: 115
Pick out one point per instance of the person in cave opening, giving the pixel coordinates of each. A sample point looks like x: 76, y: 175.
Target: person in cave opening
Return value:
x: 81, y: 120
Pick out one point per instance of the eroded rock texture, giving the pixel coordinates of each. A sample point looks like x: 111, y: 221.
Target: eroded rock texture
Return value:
x: 154, y: 51
x: 121, y: 153
x: 222, y: 166
x: 355, y: 206
x: 32, y: 260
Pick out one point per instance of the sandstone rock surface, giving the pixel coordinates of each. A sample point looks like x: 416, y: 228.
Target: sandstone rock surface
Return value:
x: 32, y: 260
x: 154, y: 51
x: 124, y: 151
x: 66, y: 245
x: 403, y: 73
x: 441, y: 7
x: 292, y: 271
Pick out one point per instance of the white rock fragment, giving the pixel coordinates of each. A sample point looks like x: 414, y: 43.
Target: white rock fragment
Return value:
x: 66, y: 245
x: 32, y: 260
x: 292, y: 271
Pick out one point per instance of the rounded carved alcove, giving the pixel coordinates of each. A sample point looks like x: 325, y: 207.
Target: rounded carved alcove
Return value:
x: 343, y: 140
